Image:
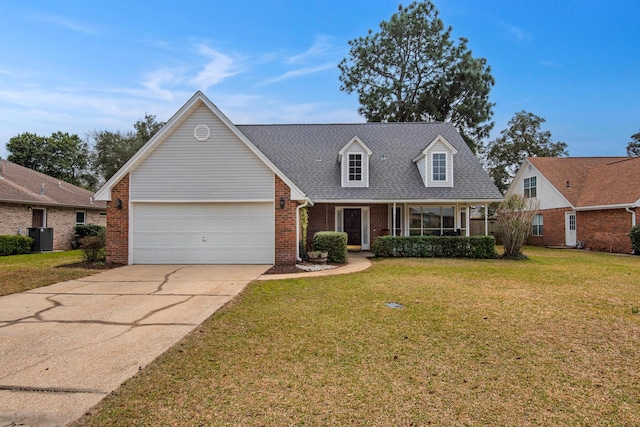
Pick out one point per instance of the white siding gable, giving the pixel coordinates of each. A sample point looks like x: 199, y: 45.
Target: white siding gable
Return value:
x: 186, y: 166
x: 548, y: 196
x: 440, y: 152
x: 354, y: 150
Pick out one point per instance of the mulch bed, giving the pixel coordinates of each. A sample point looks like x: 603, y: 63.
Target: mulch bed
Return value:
x: 91, y: 266
x: 291, y: 268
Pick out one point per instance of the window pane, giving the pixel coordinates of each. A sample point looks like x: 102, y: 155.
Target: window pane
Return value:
x: 439, y: 167
x: 447, y: 218
x: 79, y: 217
x: 416, y: 218
x: 431, y: 218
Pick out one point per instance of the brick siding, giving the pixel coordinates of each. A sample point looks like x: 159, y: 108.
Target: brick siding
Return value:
x: 605, y: 230
x: 285, y: 224
x: 16, y: 218
x: 602, y: 230
x: 322, y: 217
x: 118, y: 223
x: 553, y: 228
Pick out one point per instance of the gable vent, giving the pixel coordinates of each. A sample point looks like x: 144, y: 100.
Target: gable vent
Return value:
x: 202, y: 132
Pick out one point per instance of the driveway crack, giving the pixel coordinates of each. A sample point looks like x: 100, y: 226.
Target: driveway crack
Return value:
x: 166, y: 280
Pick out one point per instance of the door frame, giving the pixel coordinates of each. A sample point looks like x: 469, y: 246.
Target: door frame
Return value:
x: 570, y: 236
x: 365, y: 235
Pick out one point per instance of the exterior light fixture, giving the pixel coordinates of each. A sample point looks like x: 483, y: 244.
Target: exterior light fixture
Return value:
x: 119, y: 203
x: 281, y: 202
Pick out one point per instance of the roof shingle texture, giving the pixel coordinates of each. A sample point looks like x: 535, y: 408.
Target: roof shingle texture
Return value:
x: 22, y: 185
x: 308, y: 155
x: 593, y: 181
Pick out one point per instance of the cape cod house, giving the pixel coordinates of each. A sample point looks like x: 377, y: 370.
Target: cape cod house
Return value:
x: 204, y: 190
x: 589, y: 202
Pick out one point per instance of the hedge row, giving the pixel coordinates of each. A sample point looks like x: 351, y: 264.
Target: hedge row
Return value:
x: 332, y: 242
x: 478, y: 247
x: 15, y: 245
x: 85, y: 230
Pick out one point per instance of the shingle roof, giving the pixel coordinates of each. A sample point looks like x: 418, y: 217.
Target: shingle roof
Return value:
x: 308, y: 155
x: 22, y: 185
x: 593, y: 181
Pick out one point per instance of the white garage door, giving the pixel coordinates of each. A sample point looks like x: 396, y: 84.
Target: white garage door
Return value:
x: 203, y: 233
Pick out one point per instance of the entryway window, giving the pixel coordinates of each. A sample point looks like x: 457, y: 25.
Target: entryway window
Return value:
x: 530, y: 187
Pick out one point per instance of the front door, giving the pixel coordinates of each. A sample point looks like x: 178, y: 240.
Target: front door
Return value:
x: 353, y: 226
x: 570, y: 228
x: 37, y: 218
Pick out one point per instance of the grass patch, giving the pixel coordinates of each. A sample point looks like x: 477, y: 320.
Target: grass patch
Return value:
x: 19, y: 273
x: 549, y: 341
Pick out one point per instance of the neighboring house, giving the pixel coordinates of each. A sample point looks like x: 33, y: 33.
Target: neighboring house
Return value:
x: 586, y: 201
x: 30, y: 199
x: 204, y: 190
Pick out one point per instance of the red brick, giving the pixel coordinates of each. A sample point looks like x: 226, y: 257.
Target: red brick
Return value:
x: 118, y: 223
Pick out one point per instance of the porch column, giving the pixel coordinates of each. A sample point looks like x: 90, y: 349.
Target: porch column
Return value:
x: 486, y: 219
x: 393, y: 223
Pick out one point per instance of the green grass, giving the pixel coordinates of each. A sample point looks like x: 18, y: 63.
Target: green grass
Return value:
x: 19, y: 273
x: 549, y: 341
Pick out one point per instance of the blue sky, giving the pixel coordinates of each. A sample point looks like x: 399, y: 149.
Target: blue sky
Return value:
x: 77, y: 66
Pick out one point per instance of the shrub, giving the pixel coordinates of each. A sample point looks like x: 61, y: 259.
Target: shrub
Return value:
x: 89, y: 230
x: 634, y: 234
x: 515, y: 222
x: 15, y: 245
x: 93, y: 248
x: 333, y: 242
x: 477, y: 247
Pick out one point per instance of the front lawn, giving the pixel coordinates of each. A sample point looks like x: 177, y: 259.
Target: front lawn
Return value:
x: 550, y: 341
x: 19, y: 273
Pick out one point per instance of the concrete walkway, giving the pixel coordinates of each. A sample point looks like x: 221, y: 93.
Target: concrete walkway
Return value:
x: 357, y: 261
x: 64, y: 347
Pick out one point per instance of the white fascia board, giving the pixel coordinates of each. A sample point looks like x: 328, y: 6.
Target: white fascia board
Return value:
x: 605, y: 207
x: 412, y: 201
x: 104, y: 193
x: 204, y: 201
x: 355, y: 140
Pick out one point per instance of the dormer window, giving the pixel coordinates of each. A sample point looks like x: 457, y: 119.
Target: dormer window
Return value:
x: 439, y: 162
x: 355, y: 167
x: 354, y: 164
x: 435, y: 163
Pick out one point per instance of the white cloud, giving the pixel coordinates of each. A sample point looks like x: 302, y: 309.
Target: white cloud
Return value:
x: 517, y: 33
x: 297, y: 73
x: 320, y: 48
x: 67, y: 23
x: 219, y: 67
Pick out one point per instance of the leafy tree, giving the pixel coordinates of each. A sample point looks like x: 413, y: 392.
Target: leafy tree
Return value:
x: 113, y: 149
x: 411, y: 70
x: 521, y: 139
x: 633, y: 148
x: 60, y: 155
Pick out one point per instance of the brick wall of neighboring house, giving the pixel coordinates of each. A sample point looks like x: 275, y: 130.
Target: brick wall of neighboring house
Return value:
x: 605, y: 230
x: 285, y: 226
x: 553, y: 233
x: 118, y: 223
x: 16, y: 218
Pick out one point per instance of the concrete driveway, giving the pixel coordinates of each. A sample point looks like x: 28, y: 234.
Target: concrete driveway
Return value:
x: 64, y: 347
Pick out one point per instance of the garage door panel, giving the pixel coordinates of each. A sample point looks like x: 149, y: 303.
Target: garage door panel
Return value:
x: 203, y: 233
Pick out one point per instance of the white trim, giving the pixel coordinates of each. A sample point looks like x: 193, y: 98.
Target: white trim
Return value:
x: 206, y: 201
x: 418, y: 201
x: 605, y: 207
x: 85, y: 217
x: 104, y: 193
x: 437, y: 139
x: 354, y: 140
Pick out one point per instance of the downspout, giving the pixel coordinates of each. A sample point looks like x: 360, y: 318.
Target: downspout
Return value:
x: 304, y: 205
x: 633, y: 216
